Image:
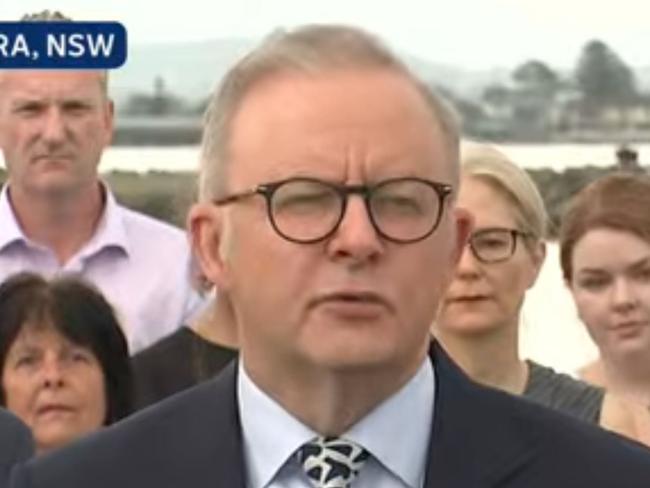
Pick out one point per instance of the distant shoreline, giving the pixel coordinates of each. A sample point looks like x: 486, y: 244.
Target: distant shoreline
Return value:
x: 556, y: 157
x: 187, y: 131
x: 161, y: 181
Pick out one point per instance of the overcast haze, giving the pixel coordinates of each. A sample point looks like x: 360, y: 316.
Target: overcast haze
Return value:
x: 473, y: 34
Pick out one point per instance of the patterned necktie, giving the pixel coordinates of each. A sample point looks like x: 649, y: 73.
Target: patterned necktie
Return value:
x: 331, y: 462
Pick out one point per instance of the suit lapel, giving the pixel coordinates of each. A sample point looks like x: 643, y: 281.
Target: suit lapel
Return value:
x: 224, y: 463
x: 477, y: 439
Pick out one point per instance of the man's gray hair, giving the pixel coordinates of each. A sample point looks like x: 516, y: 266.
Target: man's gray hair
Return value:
x: 310, y: 49
x: 46, y: 16
x: 56, y: 16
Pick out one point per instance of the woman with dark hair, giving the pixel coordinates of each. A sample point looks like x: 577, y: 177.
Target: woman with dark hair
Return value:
x: 64, y: 363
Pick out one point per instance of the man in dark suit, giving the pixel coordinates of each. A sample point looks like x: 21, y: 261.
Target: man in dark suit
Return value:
x: 327, y: 213
x: 16, y: 444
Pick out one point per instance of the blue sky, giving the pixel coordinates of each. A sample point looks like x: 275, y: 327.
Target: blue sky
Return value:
x: 469, y: 33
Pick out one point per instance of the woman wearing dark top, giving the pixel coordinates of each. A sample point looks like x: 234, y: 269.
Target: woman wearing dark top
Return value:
x: 186, y: 357
x: 562, y: 392
x: 479, y: 319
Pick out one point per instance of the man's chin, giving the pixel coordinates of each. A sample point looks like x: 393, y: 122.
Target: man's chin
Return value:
x: 350, y: 357
x: 55, y: 189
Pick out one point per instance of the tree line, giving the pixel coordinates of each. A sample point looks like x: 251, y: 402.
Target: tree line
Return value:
x: 539, y: 100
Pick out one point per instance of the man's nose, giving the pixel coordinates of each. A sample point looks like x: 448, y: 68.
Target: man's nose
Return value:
x: 54, y: 125
x: 356, y: 237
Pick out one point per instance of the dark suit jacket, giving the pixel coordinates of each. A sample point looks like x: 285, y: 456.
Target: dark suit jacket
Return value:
x: 16, y: 444
x: 480, y: 438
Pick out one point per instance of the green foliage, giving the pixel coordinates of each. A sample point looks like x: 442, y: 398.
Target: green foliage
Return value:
x: 558, y: 188
x: 496, y: 94
x: 603, y: 78
x: 536, y: 76
x: 163, y: 195
x: 159, y: 102
x: 471, y: 114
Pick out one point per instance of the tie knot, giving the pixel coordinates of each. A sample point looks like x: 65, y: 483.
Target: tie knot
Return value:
x: 332, y: 462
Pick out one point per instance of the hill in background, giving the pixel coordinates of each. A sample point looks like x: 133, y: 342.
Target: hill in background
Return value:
x: 191, y: 69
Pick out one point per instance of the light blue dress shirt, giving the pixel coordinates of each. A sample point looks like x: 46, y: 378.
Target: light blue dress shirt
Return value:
x: 396, y: 433
x: 140, y: 264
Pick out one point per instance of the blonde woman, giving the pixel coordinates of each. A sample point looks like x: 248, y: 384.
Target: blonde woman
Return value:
x: 479, y: 318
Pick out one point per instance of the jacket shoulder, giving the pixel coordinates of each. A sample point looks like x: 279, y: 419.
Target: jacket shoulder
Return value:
x: 569, y: 452
x: 491, y: 438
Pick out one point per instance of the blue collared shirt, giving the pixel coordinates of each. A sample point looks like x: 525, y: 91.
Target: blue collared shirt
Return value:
x: 396, y: 433
x: 140, y: 264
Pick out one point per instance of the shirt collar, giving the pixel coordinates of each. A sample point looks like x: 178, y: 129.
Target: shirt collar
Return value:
x: 110, y: 231
x: 379, y: 430
x: 10, y: 230
x: 271, y: 434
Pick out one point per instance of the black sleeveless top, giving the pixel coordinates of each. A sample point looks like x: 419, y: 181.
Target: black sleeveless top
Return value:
x: 175, y: 363
x: 562, y: 392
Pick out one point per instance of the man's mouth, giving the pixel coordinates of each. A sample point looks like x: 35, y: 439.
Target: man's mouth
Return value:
x: 352, y: 303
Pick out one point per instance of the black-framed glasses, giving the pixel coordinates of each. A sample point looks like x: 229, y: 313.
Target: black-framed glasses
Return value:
x: 308, y: 210
x: 495, y: 244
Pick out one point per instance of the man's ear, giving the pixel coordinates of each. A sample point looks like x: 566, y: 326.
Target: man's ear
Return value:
x: 109, y: 122
x: 205, y: 224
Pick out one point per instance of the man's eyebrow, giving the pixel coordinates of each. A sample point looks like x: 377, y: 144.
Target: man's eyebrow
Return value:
x: 76, y: 102
x: 25, y: 99
x: 37, y: 100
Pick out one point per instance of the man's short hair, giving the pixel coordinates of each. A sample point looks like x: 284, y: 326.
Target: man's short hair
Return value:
x: 46, y: 15
x: 56, y: 16
x: 310, y: 49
